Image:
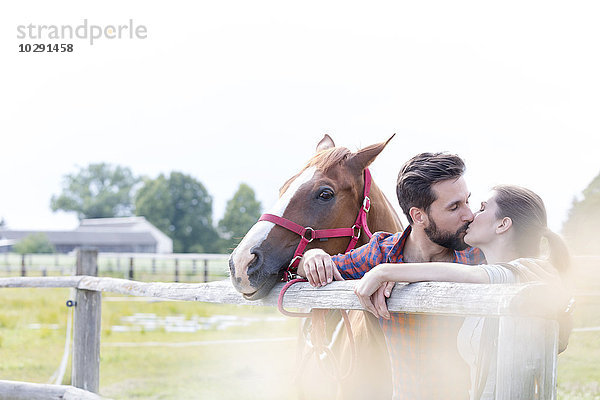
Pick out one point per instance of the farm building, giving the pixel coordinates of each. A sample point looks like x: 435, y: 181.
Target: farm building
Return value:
x: 118, y: 235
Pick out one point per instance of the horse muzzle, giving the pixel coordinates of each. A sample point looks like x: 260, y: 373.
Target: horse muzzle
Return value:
x: 254, y: 275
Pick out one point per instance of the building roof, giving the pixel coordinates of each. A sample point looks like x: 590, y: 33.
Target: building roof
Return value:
x: 135, y: 231
x: 131, y: 223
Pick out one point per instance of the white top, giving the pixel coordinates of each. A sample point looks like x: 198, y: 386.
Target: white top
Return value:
x: 469, y: 336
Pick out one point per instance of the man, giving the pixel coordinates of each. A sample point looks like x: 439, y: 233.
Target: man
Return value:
x: 434, y: 197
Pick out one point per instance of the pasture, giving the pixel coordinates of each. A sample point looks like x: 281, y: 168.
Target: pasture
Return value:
x: 217, y: 362
x: 252, y: 359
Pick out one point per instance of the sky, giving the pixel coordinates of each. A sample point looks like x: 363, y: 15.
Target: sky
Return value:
x: 238, y: 91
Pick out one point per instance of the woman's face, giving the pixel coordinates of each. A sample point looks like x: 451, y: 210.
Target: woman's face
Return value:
x: 483, y: 228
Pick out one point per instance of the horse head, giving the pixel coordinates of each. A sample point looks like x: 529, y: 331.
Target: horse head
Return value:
x: 327, y: 193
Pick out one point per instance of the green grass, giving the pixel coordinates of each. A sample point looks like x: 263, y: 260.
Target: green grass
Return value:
x: 579, y: 367
x: 224, y: 371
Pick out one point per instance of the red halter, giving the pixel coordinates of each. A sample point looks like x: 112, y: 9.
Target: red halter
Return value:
x: 308, y: 234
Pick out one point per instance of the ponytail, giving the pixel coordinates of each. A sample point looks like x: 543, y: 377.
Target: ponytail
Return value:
x: 560, y: 259
x: 559, y: 253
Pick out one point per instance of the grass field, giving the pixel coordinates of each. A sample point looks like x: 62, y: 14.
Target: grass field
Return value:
x: 231, y: 370
x: 212, y: 363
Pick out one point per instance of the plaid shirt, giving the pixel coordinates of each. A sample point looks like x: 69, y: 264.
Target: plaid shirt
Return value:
x: 424, y: 357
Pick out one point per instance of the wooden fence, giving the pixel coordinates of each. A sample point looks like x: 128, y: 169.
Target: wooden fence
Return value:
x: 527, y: 342
x: 173, y: 266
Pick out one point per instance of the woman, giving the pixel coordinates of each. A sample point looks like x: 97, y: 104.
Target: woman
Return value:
x: 508, y: 228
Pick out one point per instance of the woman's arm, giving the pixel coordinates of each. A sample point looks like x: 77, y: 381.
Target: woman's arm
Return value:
x: 415, y: 272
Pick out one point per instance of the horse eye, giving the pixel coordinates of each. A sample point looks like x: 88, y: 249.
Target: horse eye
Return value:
x: 326, y: 194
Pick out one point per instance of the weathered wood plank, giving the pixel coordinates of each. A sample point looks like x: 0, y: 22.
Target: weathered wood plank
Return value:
x: 446, y: 298
x: 40, y: 282
x: 10, y: 390
x: 425, y: 297
x: 86, y: 328
x: 526, y: 363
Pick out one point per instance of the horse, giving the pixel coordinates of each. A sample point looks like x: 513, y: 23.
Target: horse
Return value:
x: 326, y: 194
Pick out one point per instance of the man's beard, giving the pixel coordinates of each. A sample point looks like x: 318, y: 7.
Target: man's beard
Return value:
x: 454, y: 241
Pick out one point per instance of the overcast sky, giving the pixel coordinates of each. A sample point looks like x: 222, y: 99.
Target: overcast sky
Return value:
x: 241, y: 91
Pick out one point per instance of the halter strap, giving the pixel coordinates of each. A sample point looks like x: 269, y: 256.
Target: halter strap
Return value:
x: 308, y: 234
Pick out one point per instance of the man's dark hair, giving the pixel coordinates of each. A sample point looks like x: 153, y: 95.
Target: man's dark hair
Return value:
x: 420, y: 173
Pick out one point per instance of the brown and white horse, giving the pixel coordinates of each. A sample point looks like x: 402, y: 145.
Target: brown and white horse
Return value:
x: 326, y: 194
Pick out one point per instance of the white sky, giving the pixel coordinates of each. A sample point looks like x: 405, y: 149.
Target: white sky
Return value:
x: 240, y: 91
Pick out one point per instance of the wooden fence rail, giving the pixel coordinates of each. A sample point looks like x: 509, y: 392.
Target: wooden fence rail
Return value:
x: 526, y: 300
x: 528, y: 334
x: 11, y: 390
x: 130, y: 265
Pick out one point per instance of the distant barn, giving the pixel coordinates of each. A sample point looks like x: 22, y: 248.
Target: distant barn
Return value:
x: 116, y: 235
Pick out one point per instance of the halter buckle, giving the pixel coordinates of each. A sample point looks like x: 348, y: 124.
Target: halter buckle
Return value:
x: 293, y: 261
x: 287, y: 276
x: 312, y: 234
x: 366, y: 204
x: 355, y: 231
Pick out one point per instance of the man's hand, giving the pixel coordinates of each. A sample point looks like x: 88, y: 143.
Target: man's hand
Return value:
x: 318, y: 267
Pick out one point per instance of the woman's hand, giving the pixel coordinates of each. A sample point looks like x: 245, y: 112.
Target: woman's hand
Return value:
x: 372, y: 290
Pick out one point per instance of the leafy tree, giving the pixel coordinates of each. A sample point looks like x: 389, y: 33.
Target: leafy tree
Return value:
x: 33, y: 244
x: 181, y: 207
x: 582, y: 228
x: 241, y: 212
x: 97, y: 191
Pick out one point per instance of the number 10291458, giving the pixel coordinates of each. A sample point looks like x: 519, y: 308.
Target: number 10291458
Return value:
x: 45, y: 48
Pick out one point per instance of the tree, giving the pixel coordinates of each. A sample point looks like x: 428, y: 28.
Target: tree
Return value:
x: 97, y: 191
x: 582, y: 228
x: 241, y: 212
x: 33, y: 244
x: 181, y: 207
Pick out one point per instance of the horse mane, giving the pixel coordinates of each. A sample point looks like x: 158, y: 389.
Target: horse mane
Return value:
x: 323, y: 161
x: 328, y: 158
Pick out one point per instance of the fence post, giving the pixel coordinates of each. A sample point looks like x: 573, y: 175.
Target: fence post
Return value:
x: 526, y: 358
x: 205, y: 270
x: 86, y: 327
x: 131, y: 268
x: 23, y: 267
x: 176, y: 270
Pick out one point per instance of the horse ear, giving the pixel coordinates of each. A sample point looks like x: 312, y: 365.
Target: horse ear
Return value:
x: 325, y: 143
x: 364, y: 157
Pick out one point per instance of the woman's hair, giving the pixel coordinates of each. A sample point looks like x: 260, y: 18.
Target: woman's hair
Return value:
x: 528, y: 214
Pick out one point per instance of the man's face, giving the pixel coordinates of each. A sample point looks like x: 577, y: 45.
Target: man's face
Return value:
x: 449, y: 215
